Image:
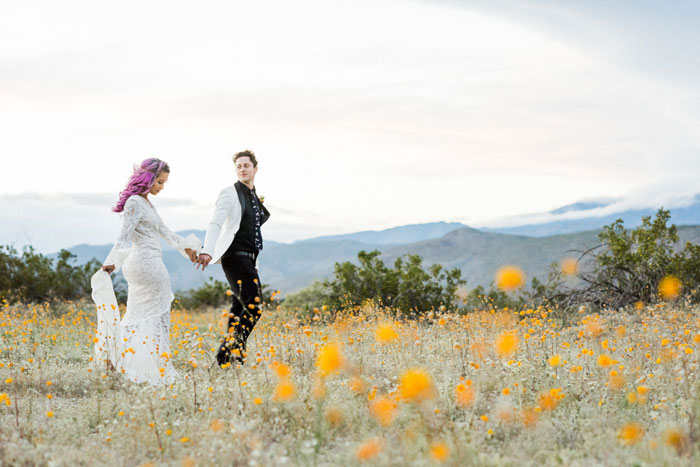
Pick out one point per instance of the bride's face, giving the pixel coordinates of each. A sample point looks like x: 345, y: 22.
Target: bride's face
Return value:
x: 160, y: 183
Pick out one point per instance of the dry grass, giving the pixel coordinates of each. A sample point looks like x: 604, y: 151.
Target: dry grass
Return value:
x: 488, y: 388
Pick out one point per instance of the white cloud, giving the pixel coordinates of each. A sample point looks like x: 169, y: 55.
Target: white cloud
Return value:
x: 654, y: 197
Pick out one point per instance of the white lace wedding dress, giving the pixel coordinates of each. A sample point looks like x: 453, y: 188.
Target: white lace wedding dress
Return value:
x: 139, y: 344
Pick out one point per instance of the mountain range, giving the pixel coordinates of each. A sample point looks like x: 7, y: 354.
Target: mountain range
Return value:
x: 477, y: 252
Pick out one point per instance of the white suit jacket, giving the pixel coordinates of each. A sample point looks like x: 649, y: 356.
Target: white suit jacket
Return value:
x: 223, y: 225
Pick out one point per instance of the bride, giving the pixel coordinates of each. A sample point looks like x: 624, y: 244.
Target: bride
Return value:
x: 139, y: 344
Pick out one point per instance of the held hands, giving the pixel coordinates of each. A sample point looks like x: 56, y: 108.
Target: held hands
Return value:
x: 192, y: 254
x: 202, y: 260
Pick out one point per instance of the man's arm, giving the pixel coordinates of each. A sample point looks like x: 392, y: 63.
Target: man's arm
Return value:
x: 221, y: 210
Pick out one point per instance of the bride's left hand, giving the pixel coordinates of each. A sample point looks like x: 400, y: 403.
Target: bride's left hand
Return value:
x: 191, y: 253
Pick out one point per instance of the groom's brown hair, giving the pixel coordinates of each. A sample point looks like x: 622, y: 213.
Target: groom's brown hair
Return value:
x: 247, y: 153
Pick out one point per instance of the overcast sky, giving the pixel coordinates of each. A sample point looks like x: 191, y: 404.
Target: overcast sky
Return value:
x: 363, y: 114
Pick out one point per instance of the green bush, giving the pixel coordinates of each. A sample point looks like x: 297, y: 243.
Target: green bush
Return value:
x: 407, y: 288
x: 32, y: 277
x: 211, y: 294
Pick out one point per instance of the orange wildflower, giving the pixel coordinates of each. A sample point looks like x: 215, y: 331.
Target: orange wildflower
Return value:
x: 506, y: 343
x: 479, y: 349
x: 594, y: 327
x: 385, y: 333
x: 604, y: 361
x: 464, y: 394
x: 285, y: 391
x: 357, y: 385
x: 630, y: 434
x: 569, y: 267
x: 530, y: 417
x: 281, y: 370
x: 505, y: 413
x: 334, y: 416
x: 369, y: 449
x: 675, y: 438
x: 330, y: 359
x: 416, y: 385
x: 616, y: 380
x: 216, y: 425
x: 670, y: 287
x: 383, y: 409
x: 510, y: 278
x: 550, y: 400
x: 439, y: 451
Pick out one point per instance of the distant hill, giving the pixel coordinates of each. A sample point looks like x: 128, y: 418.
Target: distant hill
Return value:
x: 479, y: 254
x: 396, y: 235
x: 686, y: 215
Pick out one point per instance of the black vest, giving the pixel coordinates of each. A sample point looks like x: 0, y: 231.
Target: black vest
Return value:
x: 244, y: 240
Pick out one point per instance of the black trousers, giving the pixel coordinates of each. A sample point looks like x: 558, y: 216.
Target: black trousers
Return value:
x: 243, y: 278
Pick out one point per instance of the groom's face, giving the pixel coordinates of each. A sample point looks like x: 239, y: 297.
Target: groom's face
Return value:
x: 245, y: 170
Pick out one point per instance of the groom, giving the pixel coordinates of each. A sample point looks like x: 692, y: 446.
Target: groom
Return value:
x: 234, y: 240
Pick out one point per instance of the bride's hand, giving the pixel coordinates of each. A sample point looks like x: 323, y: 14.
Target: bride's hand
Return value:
x: 191, y: 253
x: 109, y: 269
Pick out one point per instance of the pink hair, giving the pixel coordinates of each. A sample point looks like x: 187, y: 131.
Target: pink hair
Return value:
x: 141, y: 181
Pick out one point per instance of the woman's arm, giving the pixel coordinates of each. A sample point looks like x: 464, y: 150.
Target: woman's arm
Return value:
x: 130, y: 219
x: 188, y: 247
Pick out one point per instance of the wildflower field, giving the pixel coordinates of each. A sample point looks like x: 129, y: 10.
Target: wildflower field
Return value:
x: 526, y: 387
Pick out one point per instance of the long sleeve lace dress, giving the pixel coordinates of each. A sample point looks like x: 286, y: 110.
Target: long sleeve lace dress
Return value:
x: 139, y: 344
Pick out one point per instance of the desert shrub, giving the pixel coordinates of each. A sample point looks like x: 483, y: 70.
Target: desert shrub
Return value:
x: 629, y: 264
x: 210, y: 294
x: 33, y: 277
x: 407, y: 287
